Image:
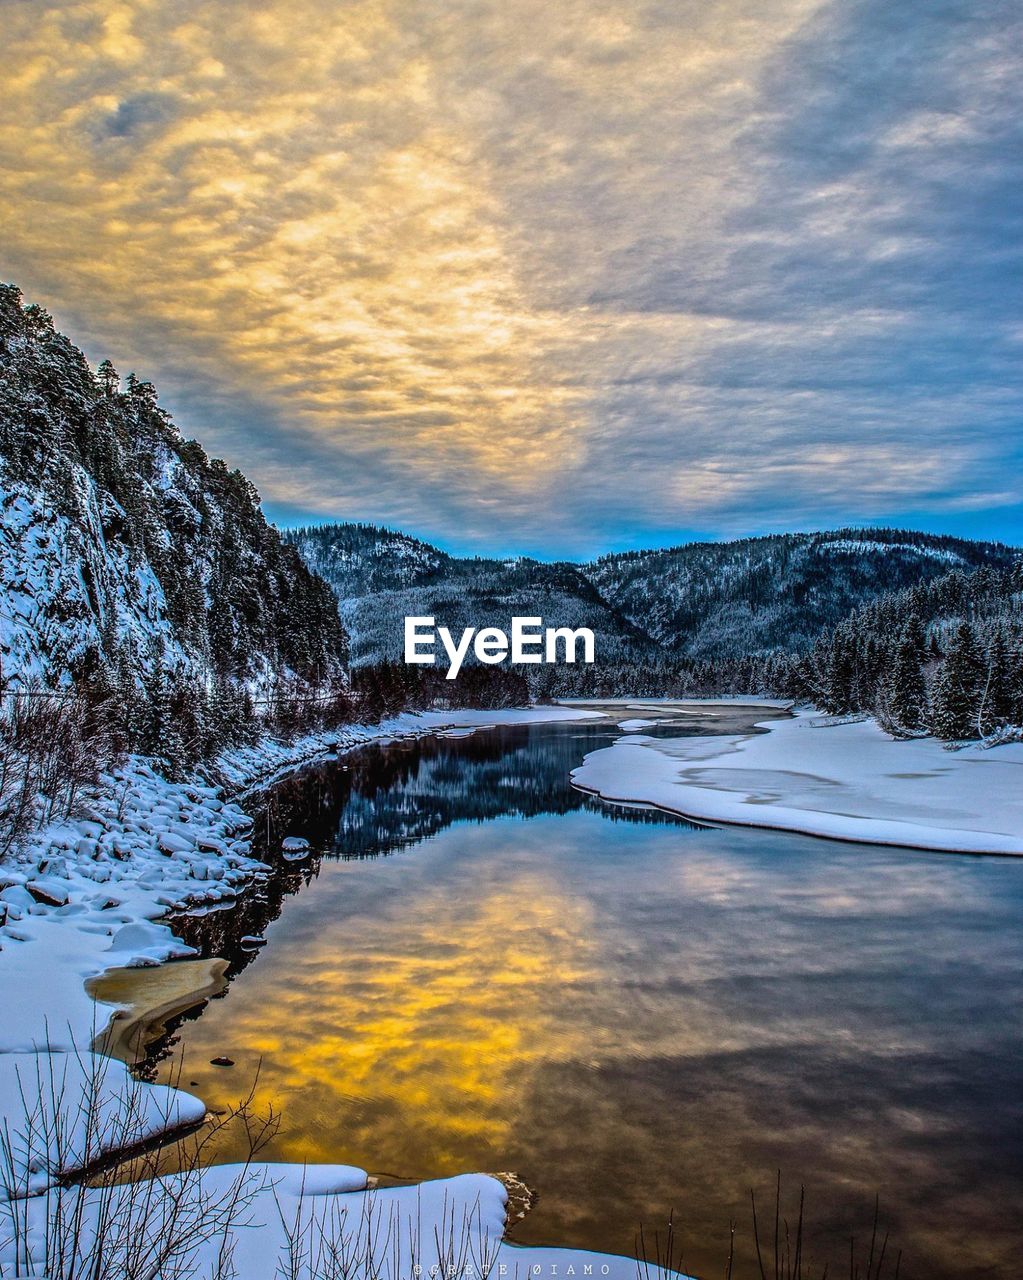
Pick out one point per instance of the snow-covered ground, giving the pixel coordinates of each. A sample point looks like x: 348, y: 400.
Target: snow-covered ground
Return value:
x: 285, y: 1220
x: 846, y: 781
x: 86, y: 895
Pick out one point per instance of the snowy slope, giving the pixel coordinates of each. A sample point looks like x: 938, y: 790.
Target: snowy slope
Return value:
x: 123, y: 548
x: 359, y: 559
x: 67, y: 590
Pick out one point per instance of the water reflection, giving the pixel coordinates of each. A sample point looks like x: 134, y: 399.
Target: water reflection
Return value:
x: 631, y: 1013
x: 386, y: 798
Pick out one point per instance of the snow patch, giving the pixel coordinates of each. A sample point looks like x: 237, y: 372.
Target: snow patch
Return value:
x: 845, y: 781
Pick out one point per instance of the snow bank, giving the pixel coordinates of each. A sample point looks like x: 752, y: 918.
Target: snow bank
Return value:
x: 283, y: 1220
x: 77, y: 1109
x: 846, y: 781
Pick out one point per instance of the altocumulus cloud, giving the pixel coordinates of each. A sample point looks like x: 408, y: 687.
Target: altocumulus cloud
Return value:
x: 546, y: 277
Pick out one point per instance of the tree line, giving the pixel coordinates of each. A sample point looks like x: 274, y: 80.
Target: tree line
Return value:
x: 943, y: 657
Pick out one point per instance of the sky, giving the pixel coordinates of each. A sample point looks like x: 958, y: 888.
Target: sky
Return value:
x: 552, y: 278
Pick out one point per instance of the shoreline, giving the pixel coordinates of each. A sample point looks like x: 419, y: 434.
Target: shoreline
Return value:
x: 84, y: 905
x: 710, y: 824
x: 846, y: 782
x: 145, y: 999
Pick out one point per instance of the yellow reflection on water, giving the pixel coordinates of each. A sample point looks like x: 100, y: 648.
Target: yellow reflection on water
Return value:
x: 439, y: 1015
x: 637, y: 1017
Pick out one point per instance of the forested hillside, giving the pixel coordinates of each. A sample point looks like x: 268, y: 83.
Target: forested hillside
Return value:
x: 944, y: 657
x: 763, y: 595
x: 380, y: 577
x: 136, y: 570
x: 360, y: 559
x: 653, y: 612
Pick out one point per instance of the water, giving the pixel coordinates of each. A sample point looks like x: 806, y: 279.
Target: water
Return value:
x: 482, y: 969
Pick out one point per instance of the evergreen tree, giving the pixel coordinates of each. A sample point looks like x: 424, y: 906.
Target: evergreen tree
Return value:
x: 840, y: 676
x: 956, y: 693
x: 109, y: 379
x: 905, y: 687
x: 999, y: 685
x: 158, y: 720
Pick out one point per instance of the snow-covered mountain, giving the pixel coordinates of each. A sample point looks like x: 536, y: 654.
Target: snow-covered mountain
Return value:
x: 125, y: 553
x: 381, y: 576
x: 760, y: 595
x: 699, y: 601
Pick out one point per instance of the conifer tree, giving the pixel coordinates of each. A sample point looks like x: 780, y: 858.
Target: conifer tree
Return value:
x: 157, y: 720
x: 840, y: 675
x: 997, y: 698
x: 956, y: 693
x: 109, y: 379
x: 905, y: 687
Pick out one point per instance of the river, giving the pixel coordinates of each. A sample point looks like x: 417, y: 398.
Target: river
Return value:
x: 479, y: 968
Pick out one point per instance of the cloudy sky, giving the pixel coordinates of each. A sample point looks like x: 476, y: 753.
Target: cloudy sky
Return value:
x: 551, y: 277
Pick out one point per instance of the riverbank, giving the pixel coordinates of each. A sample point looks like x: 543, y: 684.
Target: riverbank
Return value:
x: 86, y: 896
x: 844, y: 781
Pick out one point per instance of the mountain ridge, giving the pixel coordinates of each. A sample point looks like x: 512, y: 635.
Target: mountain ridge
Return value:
x: 699, y: 600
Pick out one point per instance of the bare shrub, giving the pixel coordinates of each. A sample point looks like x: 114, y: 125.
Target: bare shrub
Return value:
x: 780, y: 1249
x: 68, y: 1212
x: 331, y: 1243
x: 52, y: 745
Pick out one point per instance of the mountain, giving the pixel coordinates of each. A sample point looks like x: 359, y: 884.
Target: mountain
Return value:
x: 700, y: 601
x: 761, y: 595
x: 131, y: 561
x: 380, y: 577
x: 360, y: 560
